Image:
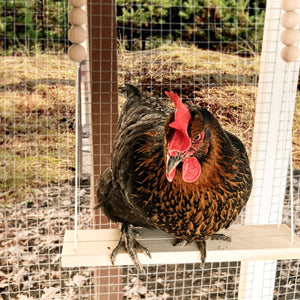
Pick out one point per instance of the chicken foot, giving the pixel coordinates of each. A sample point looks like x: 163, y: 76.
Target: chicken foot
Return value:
x: 202, y: 244
x: 220, y: 237
x: 202, y: 248
x: 129, y: 244
x: 181, y: 242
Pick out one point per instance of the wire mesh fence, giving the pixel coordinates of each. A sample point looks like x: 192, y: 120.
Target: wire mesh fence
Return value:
x: 207, y: 52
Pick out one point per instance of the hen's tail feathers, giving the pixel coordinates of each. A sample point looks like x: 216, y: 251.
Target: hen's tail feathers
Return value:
x: 130, y: 90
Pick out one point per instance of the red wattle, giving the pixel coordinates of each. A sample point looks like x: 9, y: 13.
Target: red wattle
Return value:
x: 191, y: 169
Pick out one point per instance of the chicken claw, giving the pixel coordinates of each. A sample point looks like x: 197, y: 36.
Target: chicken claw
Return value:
x: 128, y: 243
x: 220, y: 237
x: 180, y: 242
x: 202, y: 244
x: 202, y: 248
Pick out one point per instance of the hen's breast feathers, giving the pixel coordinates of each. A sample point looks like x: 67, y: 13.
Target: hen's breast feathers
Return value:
x: 197, y: 210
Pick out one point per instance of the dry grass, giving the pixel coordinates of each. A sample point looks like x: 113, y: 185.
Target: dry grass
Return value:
x: 225, y: 84
x: 185, y: 69
x: 36, y: 128
x: 37, y: 138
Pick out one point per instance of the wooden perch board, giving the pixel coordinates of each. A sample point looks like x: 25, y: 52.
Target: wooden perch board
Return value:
x: 254, y: 242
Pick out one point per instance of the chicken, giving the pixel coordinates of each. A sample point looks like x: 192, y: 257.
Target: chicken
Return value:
x: 175, y: 170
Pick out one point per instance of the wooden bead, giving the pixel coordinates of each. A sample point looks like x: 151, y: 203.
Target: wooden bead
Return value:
x: 290, y: 53
x: 77, y: 16
x: 77, y: 53
x: 289, y: 4
x: 77, y: 34
x: 289, y: 36
x: 77, y: 3
x: 290, y: 19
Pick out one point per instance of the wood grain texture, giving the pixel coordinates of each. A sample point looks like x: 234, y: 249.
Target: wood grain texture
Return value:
x: 253, y: 242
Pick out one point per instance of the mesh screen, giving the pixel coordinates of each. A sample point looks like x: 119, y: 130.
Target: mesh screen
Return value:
x: 208, y: 52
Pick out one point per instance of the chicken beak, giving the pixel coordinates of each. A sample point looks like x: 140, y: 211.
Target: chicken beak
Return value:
x: 172, y: 162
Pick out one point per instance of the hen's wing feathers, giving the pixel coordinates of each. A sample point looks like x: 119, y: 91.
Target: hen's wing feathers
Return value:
x: 113, y: 202
x: 106, y: 191
x: 238, y: 145
x: 140, y: 115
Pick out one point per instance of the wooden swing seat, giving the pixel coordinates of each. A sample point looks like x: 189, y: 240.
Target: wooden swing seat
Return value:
x: 248, y: 242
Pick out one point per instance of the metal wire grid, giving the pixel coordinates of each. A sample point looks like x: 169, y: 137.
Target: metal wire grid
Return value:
x: 185, y: 281
x: 37, y: 154
x: 146, y: 286
x: 31, y: 239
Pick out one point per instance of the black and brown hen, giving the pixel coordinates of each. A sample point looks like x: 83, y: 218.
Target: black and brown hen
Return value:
x: 177, y: 171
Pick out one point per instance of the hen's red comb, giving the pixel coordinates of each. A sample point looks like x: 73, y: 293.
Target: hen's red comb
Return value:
x: 180, y: 140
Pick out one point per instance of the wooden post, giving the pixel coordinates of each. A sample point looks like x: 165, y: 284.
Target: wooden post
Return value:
x: 104, y: 115
x: 270, y: 150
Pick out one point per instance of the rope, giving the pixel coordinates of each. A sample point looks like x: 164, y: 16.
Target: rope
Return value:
x: 292, y: 195
x: 77, y: 103
x: 290, y: 110
x: 291, y: 116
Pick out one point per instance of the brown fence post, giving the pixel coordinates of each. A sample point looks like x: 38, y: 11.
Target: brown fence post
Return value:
x: 104, y: 110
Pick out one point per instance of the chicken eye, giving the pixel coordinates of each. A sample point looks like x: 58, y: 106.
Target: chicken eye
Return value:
x: 196, y: 138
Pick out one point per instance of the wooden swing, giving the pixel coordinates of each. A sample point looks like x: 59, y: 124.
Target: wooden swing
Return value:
x: 249, y: 242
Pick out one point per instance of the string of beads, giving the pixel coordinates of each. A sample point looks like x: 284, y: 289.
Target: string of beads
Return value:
x: 290, y: 36
x: 77, y: 33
